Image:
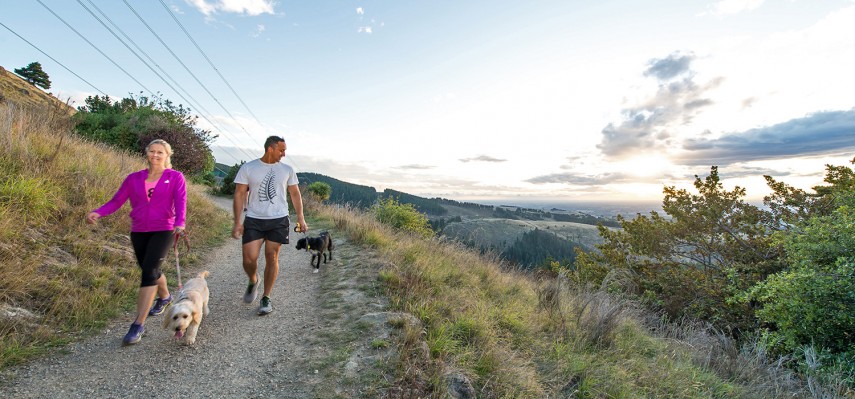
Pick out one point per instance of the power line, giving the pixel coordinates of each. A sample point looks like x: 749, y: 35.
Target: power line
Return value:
x: 149, y: 66
x: 174, y: 18
x: 186, y: 68
x: 53, y: 59
x: 211, y: 63
x: 95, y: 47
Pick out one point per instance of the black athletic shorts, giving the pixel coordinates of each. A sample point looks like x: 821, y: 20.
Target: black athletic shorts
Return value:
x: 275, y: 230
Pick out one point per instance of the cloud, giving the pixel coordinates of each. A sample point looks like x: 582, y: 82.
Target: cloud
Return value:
x: 258, y: 31
x: 821, y: 133
x: 482, y: 158
x: 583, y: 180
x: 364, y: 29
x: 416, y: 167
x: 734, y: 6
x: 249, y: 7
x: 669, y: 67
x: 650, y: 125
x: 360, y: 11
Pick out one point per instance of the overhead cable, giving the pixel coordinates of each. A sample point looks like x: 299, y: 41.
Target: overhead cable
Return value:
x: 96, y: 48
x: 174, y: 18
x: 53, y: 59
x: 186, y: 68
x: 149, y: 66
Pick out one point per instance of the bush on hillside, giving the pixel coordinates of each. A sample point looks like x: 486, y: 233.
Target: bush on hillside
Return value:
x: 402, y: 216
x: 131, y: 123
x: 812, y: 302
x: 697, y: 261
x: 320, y: 190
x: 784, y: 272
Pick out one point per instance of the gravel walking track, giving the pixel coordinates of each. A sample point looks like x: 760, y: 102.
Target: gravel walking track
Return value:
x: 237, y: 353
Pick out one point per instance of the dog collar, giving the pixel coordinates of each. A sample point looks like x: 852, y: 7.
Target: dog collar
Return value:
x: 181, y: 296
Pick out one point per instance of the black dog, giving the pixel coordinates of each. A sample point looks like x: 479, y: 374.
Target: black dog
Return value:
x: 319, y: 245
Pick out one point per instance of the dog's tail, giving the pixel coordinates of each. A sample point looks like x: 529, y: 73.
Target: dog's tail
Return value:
x: 203, y: 274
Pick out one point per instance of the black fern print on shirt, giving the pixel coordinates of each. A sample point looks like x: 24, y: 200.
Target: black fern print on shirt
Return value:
x: 267, y: 191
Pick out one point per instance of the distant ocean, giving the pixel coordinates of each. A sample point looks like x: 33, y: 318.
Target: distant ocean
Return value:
x: 607, y: 209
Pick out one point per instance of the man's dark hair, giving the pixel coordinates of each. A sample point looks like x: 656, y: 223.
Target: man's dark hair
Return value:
x: 272, y: 141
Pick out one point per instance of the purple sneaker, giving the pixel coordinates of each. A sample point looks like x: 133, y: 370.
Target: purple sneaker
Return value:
x: 159, y: 305
x: 134, y: 334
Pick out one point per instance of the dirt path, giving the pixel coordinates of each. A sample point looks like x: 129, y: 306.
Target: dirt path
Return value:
x: 290, y: 353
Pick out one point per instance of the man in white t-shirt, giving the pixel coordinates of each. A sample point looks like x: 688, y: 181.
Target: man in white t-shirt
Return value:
x: 260, y: 186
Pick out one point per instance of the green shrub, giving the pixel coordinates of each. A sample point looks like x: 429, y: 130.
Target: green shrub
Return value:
x: 813, y: 302
x: 402, y: 216
x: 320, y: 190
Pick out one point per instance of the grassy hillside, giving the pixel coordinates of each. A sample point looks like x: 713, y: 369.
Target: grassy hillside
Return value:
x: 61, y: 278
x: 15, y: 90
x: 489, y: 333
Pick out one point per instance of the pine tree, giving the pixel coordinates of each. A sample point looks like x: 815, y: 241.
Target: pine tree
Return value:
x: 34, y: 74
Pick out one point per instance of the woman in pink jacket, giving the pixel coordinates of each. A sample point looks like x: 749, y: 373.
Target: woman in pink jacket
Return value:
x: 158, y: 197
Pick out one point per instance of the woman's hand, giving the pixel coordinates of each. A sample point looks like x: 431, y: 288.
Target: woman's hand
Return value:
x: 92, y: 217
x: 179, y: 230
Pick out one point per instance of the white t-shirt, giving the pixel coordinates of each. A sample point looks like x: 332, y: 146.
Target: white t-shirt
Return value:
x: 268, y: 187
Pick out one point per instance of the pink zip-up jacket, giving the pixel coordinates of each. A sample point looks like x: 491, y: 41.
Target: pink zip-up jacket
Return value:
x: 167, y: 208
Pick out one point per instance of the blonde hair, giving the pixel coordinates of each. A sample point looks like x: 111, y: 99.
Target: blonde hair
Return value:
x: 165, y: 145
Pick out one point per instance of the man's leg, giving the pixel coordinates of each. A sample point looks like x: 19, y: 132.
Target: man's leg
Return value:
x: 250, y: 259
x: 250, y: 267
x: 271, y: 265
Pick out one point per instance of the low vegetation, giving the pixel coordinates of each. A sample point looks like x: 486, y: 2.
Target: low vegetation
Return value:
x: 781, y: 275
x: 60, y: 278
x: 494, y: 333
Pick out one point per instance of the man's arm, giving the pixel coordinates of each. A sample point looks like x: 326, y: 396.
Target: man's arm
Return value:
x: 297, y: 201
x: 241, y: 192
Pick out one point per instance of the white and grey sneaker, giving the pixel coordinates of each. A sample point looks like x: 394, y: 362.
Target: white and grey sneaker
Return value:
x: 251, y: 291
x: 264, y: 307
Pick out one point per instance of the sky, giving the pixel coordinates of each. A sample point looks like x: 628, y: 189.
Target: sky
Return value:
x: 478, y: 100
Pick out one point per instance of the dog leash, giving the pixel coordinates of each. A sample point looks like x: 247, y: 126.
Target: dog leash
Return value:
x: 297, y: 229
x: 182, y: 234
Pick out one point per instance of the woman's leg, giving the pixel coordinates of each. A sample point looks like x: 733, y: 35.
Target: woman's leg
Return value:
x: 144, y: 299
x: 150, y: 248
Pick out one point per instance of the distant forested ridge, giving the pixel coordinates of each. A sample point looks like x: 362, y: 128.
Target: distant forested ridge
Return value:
x: 537, y: 248
x: 470, y: 205
x: 430, y: 207
x: 343, y: 193
x: 584, y: 219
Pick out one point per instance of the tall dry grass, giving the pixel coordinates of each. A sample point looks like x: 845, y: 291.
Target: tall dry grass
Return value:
x: 517, y: 335
x: 60, y: 278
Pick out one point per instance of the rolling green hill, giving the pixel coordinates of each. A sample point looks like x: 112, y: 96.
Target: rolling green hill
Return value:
x: 476, y: 225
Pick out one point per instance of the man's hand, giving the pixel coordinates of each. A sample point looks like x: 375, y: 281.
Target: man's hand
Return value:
x: 237, y: 230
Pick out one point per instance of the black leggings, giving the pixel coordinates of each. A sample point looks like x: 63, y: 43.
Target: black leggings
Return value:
x: 150, y: 248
